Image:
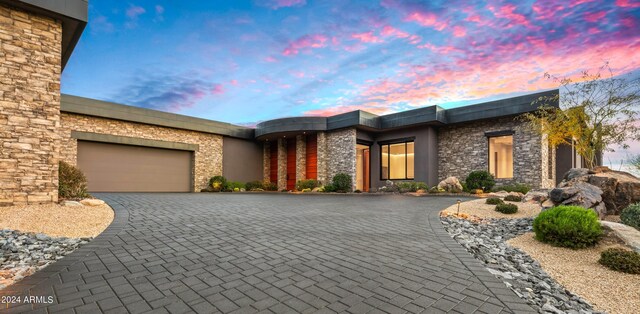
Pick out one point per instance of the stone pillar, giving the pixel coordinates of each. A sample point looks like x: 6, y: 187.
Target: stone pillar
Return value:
x: 282, y: 164
x: 266, y: 162
x: 301, y: 158
x: 30, y: 66
x: 322, y: 158
x: 341, y: 150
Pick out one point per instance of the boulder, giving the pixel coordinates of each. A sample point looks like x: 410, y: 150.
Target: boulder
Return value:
x: 580, y: 194
x: 451, y: 185
x: 500, y: 194
x: 91, y: 202
x: 536, y: 196
x: 72, y: 204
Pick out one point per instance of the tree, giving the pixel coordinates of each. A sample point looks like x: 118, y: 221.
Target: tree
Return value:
x: 634, y: 161
x: 594, y: 113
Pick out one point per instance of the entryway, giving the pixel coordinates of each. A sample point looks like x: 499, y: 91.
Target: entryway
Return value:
x: 363, y: 172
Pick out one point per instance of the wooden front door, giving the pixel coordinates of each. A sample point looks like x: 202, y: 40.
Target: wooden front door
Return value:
x: 291, y: 164
x: 312, y: 157
x: 366, y: 171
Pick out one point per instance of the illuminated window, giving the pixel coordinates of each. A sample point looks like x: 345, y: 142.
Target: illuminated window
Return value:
x: 396, y: 161
x: 501, y: 156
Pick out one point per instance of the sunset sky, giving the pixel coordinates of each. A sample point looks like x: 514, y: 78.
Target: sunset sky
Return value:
x: 247, y: 61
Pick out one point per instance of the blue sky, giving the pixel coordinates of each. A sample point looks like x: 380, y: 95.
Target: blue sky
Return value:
x: 247, y: 61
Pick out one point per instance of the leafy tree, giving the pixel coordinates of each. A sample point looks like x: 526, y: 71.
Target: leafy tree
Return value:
x: 595, y: 113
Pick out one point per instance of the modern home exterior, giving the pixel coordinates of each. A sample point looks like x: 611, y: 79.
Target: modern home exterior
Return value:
x: 122, y: 148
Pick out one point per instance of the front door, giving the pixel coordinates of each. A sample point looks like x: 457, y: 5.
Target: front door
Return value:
x: 291, y: 164
x: 362, y: 168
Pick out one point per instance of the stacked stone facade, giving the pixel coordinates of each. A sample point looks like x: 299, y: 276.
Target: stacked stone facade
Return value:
x: 301, y: 158
x: 282, y: 164
x: 30, y: 66
x: 266, y: 162
x: 207, y: 159
x: 464, y: 148
x: 322, y: 158
x: 341, y: 153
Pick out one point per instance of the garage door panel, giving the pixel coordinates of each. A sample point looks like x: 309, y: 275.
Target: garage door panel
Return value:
x: 126, y: 168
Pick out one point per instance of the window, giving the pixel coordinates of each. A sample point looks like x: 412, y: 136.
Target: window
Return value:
x: 396, y: 161
x: 501, y: 156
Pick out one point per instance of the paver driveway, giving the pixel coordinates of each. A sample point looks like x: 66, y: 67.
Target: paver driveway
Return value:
x: 271, y: 253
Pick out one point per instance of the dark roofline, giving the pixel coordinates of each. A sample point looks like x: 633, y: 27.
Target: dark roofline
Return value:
x: 109, y: 110
x: 72, y: 13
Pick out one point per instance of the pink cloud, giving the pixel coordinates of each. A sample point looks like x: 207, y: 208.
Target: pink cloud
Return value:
x: 298, y: 74
x: 277, y: 4
x: 367, y: 37
x: 270, y: 59
x: 594, y: 17
x: 628, y: 3
x: 135, y: 11
x: 507, y: 11
x: 217, y: 89
x: 459, y: 31
x: 305, y: 43
x: 426, y: 19
x: 392, y: 31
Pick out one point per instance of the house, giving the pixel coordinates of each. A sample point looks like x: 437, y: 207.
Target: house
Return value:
x: 124, y: 148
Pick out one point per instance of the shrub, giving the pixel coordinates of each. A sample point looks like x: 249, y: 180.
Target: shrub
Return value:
x: 254, y: 185
x: 494, y: 201
x: 404, y: 187
x: 421, y: 186
x: 568, y: 226
x: 522, y: 188
x: 217, y: 183
x: 306, y: 184
x: 357, y: 191
x: 480, y: 179
x: 630, y: 216
x: 328, y: 188
x: 234, y: 186
x: 342, y: 183
x: 72, y: 182
x: 306, y: 190
x: 271, y: 186
x: 507, y: 208
x: 513, y: 198
x: 621, y: 260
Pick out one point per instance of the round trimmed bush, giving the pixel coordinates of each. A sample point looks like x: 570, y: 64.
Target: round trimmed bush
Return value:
x: 494, y: 201
x: 568, y: 226
x: 341, y: 183
x: 621, y: 260
x: 630, y: 216
x: 507, y: 208
x: 217, y: 183
x: 480, y: 179
x: 513, y: 198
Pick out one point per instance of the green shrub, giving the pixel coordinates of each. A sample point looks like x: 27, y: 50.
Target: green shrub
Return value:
x: 494, y: 201
x: 271, y: 186
x: 480, y: 179
x: 513, y: 198
x: 342, y: 183
x: 621, y: 260
x: 72, y: 183
x: 217, y: 183
x: 404, y: 187
x: 522, y: 188
x: 507, y: 208
x: 568, y: 226
x: 306, y: 184
x: 630, y: 216
x: 234, y: 186
x: 254, y: 185
x: 421, y: 186
x: 328, y: 188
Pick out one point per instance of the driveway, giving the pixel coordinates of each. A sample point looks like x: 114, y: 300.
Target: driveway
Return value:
x: 270, y: 253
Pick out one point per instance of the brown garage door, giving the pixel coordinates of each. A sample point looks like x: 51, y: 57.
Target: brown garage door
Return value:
x: 126, y: 168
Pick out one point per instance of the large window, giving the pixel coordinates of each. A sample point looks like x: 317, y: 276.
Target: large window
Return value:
x: 396, y: 161
x: 501, y: 156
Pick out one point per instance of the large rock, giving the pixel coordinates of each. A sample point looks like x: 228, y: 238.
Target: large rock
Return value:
x: 536, y: 196
x: 91, y: 202
x: 451, y: 185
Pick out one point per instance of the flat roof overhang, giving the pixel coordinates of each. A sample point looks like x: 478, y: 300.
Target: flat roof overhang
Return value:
x: 72, y: 13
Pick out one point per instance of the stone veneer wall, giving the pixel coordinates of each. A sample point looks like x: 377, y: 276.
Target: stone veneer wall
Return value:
x: 266, y: 162
x: 322, y: 158
x: 282, y: 164
x: 30, y: 66
x: 301, y: 158
x: 464, y: 148
x: 341, y: 153
x: 208, y: 158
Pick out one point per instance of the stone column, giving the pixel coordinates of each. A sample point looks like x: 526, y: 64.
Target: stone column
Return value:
x: 322, y: 158
x: 266, y: 162
x: 341, y: 152
x: 301, y: 158
x: 282, y: 164
x: 30, y: 66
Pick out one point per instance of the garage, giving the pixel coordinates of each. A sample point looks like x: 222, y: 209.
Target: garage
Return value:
x: 128, y: 168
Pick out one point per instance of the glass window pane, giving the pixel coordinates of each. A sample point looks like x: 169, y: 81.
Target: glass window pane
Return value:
x: 384, y: 162
x: 397, y: 155
x: 410, y: 170
x: 501, y: 156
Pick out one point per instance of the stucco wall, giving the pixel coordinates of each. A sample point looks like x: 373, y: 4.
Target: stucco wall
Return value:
x: 208, y: 158
x: 241, y: 160
x: 464, y: 148
x: 30, y: 57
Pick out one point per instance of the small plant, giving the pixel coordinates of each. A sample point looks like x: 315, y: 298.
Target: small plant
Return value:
x: 404, y: 187
x: 342, y: 183
x: 271, y: 187
x: 568, y: 226
x: 234, y: 186
x: 72, y: 183
x: 630, y: 216
x: 306, y: 184
x: 494, y: 201
x: 522, y: 188
x: 306, y: 190
x: 421, y: 186
x: 217, y: 183
x: 513, y: 198
x: 254, y: 186
x: 507, y: 208
x: 284, y: 190
x: 480, y: 179
x: 328, y: 188
x: 357, y: 191
x: 621, y: 260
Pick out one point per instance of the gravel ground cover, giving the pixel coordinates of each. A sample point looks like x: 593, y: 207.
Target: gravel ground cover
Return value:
x: 56, y: 220
x: 486, y: 241
x: 22, y: 254
x: 480, y: 209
